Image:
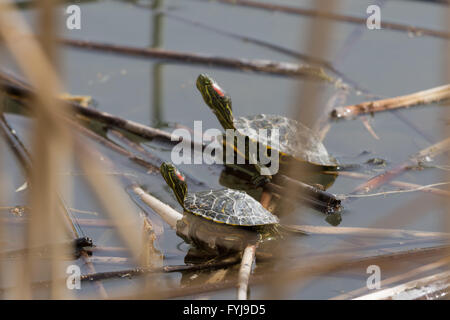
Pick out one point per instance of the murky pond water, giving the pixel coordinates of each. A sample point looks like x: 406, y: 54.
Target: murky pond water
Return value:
x: 162, y: 94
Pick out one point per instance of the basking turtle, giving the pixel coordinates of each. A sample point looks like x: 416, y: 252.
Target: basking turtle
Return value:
x: 227, y: 206
x: 296, y: 141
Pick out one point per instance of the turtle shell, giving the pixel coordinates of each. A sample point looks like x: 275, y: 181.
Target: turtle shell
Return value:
x: 229, y: 206
x: 295, y: 139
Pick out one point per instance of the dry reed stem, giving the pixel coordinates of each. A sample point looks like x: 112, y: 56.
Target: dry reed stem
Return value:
x: 367, y: 232
x: 407, y: 275
x: 396, y: 183
x: 111, y: 196
x: 446, y: 130
x: 430, y: 287
x: 418, y: 98
x: 5, y: 272
x: 51, y: 142
x: 69, y: 226
x: 383, y: 178
x: 308, y: 97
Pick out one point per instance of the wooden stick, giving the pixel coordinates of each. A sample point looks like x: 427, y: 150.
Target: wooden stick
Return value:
x: 169, y: 215
x: 396, y: 183
x: 257, y: 65
x: 337, y: 17
x: 367, y: 232
x: 397, y: 278
x: 434, y: 286
x: 385, y: 177
x: 418, y: 98
x: 245, y: 270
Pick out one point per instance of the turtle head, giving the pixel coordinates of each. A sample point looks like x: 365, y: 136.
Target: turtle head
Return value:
x: 217, y: 99
x: 176, y: 181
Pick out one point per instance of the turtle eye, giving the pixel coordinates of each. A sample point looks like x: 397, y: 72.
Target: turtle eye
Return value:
x: 218, y: 89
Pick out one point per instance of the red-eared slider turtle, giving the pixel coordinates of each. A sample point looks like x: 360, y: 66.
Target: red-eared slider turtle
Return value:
x: 228, y: 206
x: 296, y: 141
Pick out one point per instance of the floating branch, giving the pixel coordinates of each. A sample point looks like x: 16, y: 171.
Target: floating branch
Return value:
x: 257, y: 65
x: 338, y: 17
x: 422, y: 97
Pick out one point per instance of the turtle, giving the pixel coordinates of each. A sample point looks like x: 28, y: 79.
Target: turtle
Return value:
x: 296, y: 141
x: 226, y: 206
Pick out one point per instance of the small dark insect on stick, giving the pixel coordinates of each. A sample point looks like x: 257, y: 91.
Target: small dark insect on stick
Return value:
x: 422, y: 97
x: 337, y: 17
